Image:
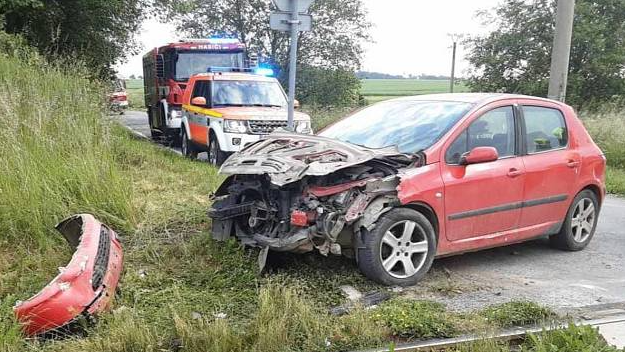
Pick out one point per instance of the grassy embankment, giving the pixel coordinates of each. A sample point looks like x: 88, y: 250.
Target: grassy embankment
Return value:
x: 61, y: 155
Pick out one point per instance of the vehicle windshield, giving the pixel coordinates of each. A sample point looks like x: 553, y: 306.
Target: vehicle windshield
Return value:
x: 248, y: 93
x: 410, y: 125
x: 194, y: 62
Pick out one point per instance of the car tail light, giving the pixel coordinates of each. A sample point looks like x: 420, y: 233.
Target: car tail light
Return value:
x: 299, y: 218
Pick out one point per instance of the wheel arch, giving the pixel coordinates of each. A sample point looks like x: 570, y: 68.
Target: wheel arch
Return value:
x: 594, y: 188
x: 184, y: 121
x: 215, y: 128
x: 428, y: 212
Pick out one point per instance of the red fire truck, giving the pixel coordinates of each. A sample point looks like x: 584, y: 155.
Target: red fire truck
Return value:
x: 167, y: 69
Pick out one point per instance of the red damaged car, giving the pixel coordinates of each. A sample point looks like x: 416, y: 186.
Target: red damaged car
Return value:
x: 404, y: 181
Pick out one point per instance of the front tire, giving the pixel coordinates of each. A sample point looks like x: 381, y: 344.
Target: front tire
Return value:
x: 579, y: 224
x: 215, y: 155
x: 399, y: 250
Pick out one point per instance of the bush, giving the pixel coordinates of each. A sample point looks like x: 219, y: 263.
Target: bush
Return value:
x: 327, y: 87
x: 15, y: 46
x: 415, y: 319
x: 516, y: 313
x: 607, y: 129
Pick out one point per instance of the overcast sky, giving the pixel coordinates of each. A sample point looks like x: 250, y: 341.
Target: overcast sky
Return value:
x: 409, y: 36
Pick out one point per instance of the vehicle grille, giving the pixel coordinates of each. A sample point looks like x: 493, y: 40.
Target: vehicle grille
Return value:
x: 265, y: 127
x: 102, y: 258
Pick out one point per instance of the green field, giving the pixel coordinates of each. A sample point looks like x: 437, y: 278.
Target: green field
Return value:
x: 375, y: 90
x: 134, y: 88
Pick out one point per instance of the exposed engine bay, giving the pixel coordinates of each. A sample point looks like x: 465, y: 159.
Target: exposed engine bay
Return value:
x: 297, y: 193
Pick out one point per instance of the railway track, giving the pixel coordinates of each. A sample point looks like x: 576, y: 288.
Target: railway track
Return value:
x: 513, y: 336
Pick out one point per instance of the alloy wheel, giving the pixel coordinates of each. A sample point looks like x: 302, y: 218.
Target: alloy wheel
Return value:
x: 404, y: 249
x: 583, y: 220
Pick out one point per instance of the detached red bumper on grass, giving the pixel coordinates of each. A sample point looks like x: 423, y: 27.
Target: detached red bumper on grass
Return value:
x: 85, y: 287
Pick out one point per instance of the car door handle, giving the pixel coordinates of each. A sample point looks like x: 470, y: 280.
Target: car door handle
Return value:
x: 514, y: 172
x: 573, y: 163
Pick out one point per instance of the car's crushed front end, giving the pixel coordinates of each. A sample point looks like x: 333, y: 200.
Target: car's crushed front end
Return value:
x: 292, y: 192
x: 83, y: 288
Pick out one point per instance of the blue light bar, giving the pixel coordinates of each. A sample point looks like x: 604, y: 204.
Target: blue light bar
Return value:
x: 217, y: 40
x: 264, y: 71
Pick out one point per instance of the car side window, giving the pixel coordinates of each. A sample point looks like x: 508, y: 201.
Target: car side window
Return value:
x: 545, y: 129
x: 202, y: 89
x: 494, y: 128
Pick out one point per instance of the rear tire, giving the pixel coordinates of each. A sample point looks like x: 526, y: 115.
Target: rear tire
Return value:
x: 215, y: 155
x: 399, y: 250
x: 579, y: 224
x: 186, y: 145
x: 153, y: 133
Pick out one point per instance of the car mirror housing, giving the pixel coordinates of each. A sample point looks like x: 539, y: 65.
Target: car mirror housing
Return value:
x: 199, y: 101
x: 479, y: 155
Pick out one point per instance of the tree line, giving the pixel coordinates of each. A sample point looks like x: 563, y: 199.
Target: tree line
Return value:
x: 513, y: 58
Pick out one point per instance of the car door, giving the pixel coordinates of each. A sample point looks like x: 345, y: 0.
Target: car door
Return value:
x: 482, y: 199
x: 198, y: 122
x: 551, y: 164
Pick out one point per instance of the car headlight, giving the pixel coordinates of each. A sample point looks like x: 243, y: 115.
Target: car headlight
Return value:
x: 174, y: 114
x: 235, y: 126
x: 302, y: 126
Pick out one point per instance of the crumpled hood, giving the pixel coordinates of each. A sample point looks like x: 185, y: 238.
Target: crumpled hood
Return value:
x: 288, y: 157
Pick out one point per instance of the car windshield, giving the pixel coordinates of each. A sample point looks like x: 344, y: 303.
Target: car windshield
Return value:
x: 191, y: 63
x: 410, y: 125
x: 248, y: 93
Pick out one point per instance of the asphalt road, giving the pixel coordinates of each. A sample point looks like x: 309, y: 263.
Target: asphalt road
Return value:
x: 532, y: 270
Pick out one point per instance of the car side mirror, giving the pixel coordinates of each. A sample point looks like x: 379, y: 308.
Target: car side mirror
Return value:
x: 296, y: 103
x: 479, y: 155
x: 199, y: 101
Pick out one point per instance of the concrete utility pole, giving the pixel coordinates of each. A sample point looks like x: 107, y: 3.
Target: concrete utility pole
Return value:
x: 453, y: 69
x: 293, y: 61
x: 561, y: 50
x: 454, y: 38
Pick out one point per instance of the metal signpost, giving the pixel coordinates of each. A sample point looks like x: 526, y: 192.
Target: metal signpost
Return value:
x: 291, y: 17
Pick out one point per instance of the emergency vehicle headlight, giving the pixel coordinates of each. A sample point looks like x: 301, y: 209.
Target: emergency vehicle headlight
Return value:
x: 302, y: 126
x: 235, y: 126
x: 174, y: 114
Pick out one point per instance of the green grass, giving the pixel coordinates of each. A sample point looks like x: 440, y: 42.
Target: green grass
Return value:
x: 416, y: 319
x: 516, y: 313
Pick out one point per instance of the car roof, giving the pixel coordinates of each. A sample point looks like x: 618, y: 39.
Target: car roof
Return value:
x: 232, y: 76
x: 472, y: 98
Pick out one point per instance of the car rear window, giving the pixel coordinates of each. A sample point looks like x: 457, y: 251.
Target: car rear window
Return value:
x: 545, y: 129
